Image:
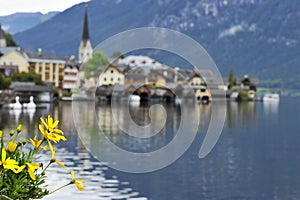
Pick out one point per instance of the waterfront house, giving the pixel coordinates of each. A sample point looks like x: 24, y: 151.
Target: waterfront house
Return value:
x: 112, y: 75
x: 137, y: 76
x: 50, y: 67
x: 71, y: 79
x: 14, y: 57
x: 246, y: 84
x: 202, y: 93
x: 196, y: 80
x: 156, y: 78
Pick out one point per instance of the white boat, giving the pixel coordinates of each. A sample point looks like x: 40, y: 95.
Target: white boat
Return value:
x: 271, y: 98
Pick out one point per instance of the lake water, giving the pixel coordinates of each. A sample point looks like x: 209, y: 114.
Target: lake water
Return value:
x: 256, y: 157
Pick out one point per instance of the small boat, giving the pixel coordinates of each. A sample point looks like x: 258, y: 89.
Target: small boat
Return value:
x: 271, y: 98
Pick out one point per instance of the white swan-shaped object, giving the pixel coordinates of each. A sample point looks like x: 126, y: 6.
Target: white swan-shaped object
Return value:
x: 31, y: 104
x: 17, y: 105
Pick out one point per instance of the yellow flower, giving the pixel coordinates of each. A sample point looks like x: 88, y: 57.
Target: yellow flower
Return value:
x: 51, y: 133
x: 1, y: 133
x: 11, y: 146
x: 9, y: 163
x: 31, y: 169
x: 77, y: 182
x: 51, y: 126
x: 37, y: 143
x: 19, y: 129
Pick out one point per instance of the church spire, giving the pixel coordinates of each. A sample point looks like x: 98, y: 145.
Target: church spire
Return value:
x: 85, y: 33
x: 85, y: 47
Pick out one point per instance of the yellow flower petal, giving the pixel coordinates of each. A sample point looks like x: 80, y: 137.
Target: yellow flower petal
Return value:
x: 72, y: 174
x: 59, y: 163
x: 79, y: 186
x: 31, y: 169
x: 45, y: 124
x: 77, y: 182
x: 55, y: 123
x: 20, y: 169
x: 11, y: 146
x: 3, y: 154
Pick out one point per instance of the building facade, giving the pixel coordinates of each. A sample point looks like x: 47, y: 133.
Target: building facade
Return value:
x: 112, y: 75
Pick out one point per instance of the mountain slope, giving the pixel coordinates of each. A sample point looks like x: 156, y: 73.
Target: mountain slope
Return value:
x: 256, y: 37
x: 19, y: 22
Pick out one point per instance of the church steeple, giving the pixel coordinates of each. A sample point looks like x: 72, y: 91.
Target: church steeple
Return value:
x: 2, y: 38
x: 85, y: 47
x: 85, y: 33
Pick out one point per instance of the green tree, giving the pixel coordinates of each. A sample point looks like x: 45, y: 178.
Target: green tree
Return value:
x: 10, y: 42
x: 27, y: 77
x: 98, y: 61
x: 4, y: 82
x: 231, y: 79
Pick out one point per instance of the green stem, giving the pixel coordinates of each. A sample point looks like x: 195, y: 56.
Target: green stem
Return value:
x: 60, y: 188
x: 46, y: 167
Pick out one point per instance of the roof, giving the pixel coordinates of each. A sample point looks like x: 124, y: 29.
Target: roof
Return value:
x: 34, y: 56
x: 135, y: 76
x: 253, y: 81
x: 185, y: 74
x: 40, y: 55
x: 6, y: 50
x: 140, y: 61
x: 30, y: 87
x: 72, y: 63
x: 168, y: 73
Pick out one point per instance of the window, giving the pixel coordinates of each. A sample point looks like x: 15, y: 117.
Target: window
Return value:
x: 112, y: 79
x: 119, y: 79
x: 105, y: 79
x: 111, y: 71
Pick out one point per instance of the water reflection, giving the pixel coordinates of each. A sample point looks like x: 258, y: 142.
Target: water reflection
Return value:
x: 271, y: 107
x: 241, y: 114
x: 260, y: 162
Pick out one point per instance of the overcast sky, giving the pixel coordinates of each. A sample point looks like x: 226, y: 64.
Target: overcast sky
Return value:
x: 12, y: 6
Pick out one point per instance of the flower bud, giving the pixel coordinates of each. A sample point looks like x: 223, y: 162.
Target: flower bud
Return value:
x: 12, y: 132
x: 19, y: 129
x: 24, y: 141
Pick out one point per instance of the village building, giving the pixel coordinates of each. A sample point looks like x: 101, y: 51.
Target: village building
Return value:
x: 50, y: 67
x: 71, y: 80
x: 112, y: 75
